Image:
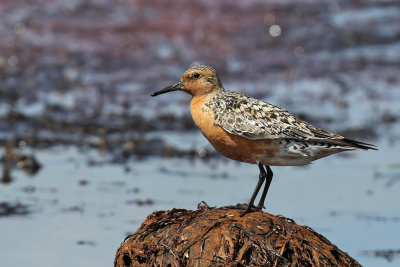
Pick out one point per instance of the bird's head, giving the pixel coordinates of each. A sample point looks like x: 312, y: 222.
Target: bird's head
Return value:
x: 198, y: 80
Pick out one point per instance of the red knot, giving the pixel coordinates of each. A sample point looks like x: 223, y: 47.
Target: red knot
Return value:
x: 250, y: 130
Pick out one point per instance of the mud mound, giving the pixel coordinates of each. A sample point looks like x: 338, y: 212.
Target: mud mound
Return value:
x: 220, y: 237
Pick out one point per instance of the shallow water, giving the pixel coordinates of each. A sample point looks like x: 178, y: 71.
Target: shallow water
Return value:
x: 80, y: 212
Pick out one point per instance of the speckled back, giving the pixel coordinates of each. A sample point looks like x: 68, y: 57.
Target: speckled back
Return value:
x: 251, y: 118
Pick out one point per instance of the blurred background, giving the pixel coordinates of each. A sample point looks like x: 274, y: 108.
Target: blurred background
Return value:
x: 86, y: 153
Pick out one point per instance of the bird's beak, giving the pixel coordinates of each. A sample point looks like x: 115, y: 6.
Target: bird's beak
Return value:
x: 172, y: 87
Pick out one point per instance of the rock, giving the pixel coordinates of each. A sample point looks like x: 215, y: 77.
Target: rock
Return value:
x: 220, y: 237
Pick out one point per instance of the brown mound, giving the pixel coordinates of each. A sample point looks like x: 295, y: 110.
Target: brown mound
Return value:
x: 219, y: 237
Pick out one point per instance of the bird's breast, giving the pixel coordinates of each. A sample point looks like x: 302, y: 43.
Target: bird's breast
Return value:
x: 230, y: 145
x: 205, y: 119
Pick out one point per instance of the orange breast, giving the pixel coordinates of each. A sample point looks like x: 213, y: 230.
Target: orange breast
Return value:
x: 230, y: 145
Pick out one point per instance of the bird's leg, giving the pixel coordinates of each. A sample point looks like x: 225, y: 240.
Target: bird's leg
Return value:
x: 266, y: 186
x: 261, y: 178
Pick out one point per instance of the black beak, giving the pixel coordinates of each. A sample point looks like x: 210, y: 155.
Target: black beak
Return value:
x: 172, y: 87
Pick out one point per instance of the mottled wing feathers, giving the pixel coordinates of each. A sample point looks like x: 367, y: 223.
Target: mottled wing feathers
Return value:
x: 245, y: 116
x: 251, y: 118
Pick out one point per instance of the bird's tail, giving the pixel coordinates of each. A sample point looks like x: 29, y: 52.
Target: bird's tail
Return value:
x: 344, y: 143
x: 358, y: 144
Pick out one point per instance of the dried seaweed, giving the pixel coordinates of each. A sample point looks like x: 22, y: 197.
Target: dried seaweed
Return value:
x: 220, y: 237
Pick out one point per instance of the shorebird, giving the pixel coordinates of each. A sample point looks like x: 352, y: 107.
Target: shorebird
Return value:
x: 250, y: 130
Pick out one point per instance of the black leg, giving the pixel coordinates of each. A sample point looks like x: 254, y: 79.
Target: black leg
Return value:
x: 266, y: 187
x: 263, y: 175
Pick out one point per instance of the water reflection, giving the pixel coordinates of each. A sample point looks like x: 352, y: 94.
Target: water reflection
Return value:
x: 275, y: 30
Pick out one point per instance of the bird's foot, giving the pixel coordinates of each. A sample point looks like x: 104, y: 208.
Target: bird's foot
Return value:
x: 260, y: 207
x: 250, y: 209
x: 244, y: 206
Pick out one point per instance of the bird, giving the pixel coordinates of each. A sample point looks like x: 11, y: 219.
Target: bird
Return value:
x: 249, y: 130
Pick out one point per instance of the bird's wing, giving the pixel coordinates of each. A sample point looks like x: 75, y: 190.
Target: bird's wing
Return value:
x: 251, y: 118
x: 241, y: 115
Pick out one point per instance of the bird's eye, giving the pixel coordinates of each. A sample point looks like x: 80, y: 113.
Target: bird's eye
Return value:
x: 196, y: 75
